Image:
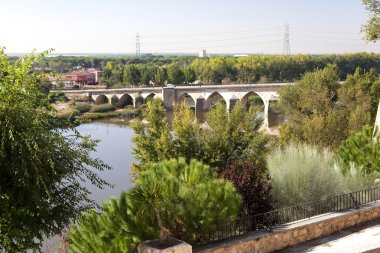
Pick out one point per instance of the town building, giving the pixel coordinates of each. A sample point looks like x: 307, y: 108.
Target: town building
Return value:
x: 202, y: 54
x: 82, y: 77
x: 96, y: 72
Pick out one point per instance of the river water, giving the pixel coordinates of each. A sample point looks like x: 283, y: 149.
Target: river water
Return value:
x: 115, y: 149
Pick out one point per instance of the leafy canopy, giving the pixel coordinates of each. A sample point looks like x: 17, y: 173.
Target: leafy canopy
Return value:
x: 172, y: 197
x: 42, y: 162
x: 227, y: 135
x: 363, y: 150
x: 372, y: 27
x: 321, y: 111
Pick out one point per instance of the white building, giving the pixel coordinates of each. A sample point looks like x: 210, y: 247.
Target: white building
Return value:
x: 377, y: 122
x: 202, y: 54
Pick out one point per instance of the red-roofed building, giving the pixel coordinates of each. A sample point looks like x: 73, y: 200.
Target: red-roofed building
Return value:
x: 80, y: 77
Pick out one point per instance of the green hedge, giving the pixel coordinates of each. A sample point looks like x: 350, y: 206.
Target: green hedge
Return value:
x: 102, y: 108
x: 82, y: 107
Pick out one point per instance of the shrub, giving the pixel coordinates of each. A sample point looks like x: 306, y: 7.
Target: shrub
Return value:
x: 171, y: 197
x: 102, y: 108
x: 57, y: 96
x: 361, y: 149
x: 253, y: 184
x: 68, y: 114
x: 301, y: 173
x: 82, y: 107
x: 356, y: 180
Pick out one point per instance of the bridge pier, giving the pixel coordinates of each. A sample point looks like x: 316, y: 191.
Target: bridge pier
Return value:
x: 266, y: 114
x: 169, y: 96
x: 199, y: 111
x: 202, y: 97
x: 231, y: 104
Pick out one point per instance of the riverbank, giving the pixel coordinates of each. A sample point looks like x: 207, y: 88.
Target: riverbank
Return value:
x: 90, y: 111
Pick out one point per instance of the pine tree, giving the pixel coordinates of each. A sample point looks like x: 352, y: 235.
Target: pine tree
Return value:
x: 172, y: 197
x: 363, y: 150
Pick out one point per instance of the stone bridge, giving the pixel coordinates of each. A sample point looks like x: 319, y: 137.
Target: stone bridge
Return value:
x: 199, y: 97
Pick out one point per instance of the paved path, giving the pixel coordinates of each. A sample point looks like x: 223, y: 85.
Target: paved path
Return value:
x: 362, y: 238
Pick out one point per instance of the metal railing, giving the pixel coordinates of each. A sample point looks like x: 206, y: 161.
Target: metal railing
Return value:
x: 268, y: 220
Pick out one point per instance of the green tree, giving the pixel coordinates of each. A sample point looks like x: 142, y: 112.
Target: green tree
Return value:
x: 234, y: 135
x: 175, y: 74
x: 188, y: 141
x: 190, y: 75
x: 184, y: 200
x: 322, y: 112
x: 160, y: 76
x: 363, y: 150
x: 372, y: 28
x: 146, y: 76
x: 42, y: 162
x: 132, y: 75
x: 152, y: 141
x: 116, y: 229
x: 363, y: 86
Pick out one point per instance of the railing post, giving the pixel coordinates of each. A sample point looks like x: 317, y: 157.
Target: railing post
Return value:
x: 354, y: 200
x: 270, y: 222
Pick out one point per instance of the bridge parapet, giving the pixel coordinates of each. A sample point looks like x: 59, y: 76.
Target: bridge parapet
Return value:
x: 202, y: 97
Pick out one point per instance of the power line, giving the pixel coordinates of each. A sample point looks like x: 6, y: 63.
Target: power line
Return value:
x: 220, y: 46
x: 286, y: 45
x: 215, y: 33
x: 213, y: 40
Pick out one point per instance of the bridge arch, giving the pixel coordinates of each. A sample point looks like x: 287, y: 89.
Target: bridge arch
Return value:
x: 189, y: 100
x: 139, y: 100
x: 252, y: 98
x: 101, y: 99
x: 114, y: 100
x: 150, y: 96
x: 214, y: 98
x: 125, y: 100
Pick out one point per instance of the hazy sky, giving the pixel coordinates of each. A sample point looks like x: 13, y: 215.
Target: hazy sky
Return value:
x: 183, y: 26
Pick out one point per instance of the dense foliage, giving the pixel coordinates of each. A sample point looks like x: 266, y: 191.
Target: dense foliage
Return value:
x: 149, y: 70
x: 252, y: 183
x: 363, y: 150
x: 251, y: 69
x: 226, y: 135
x: 170, y: 198
x: 42, y: 162
x: 321, y: 111
x: 372, y: 27
x: 302, y: 174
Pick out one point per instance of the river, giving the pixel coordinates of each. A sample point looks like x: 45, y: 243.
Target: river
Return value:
x: 115, y: 149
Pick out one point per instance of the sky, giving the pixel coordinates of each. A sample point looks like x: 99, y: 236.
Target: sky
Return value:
x: 184, y: 26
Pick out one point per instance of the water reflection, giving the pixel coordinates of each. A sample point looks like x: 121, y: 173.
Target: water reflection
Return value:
x: 115, y: 149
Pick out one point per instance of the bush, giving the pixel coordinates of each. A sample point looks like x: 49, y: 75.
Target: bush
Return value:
x: 102, y: 108
x: 68, y: 114
x: 82, y: 107
x: 361, y: 149
x: 171, y: 197
x: 356, y: 180
x: 57, y: 96
x: 301, y: 173
x: 253, y: 184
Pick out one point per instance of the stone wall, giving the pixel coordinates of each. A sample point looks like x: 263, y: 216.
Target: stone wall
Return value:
x: 295, y: 233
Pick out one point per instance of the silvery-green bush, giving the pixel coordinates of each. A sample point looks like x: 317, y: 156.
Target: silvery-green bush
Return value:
x: 301, y: 173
